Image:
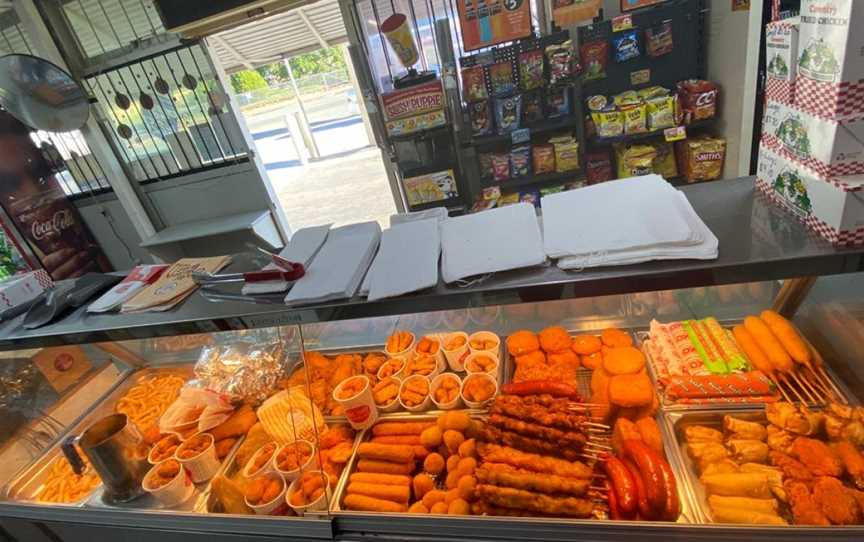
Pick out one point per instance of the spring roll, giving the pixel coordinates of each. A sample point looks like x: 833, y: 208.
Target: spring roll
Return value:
x: 742, y: 429
x: 739, y: 515
x: 745, y: 484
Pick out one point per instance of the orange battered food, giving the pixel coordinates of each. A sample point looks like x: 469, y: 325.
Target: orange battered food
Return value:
x: 614, y: 337
x: 522, y: 342
x: 592, y: 361
x: 630, y: 390
x: 566, y: 357
x: 555, y: 339
x: 623, y: 361
x: 427, y: 345
x: 457, y: 341
x: 586, y: 344
x: 399, y: 341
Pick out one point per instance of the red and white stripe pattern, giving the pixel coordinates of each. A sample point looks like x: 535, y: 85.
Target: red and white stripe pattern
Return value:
x: 780, y: 90
x: 828, y: 172
x: 830, y: 100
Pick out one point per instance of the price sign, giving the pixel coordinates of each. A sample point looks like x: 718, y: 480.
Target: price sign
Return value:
x: 675, y: 134
x: 520, y: 136
x: 622, y: 22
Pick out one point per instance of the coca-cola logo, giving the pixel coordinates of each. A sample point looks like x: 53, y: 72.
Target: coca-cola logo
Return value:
x: 62, y: 220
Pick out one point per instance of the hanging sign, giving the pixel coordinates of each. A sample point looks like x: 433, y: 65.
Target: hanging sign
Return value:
x: 570, y: 12
x: 489, y: 22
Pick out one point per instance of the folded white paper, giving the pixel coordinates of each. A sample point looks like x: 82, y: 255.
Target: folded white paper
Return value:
x: 339, y: 267
x: 490, y: 241
x: 407, y: 259
x: 301, y: 248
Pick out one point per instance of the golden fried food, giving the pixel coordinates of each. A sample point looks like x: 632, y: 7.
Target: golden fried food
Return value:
x: 351, y: 387
x: 456, y: 420
x: 455, y: 342
x: 399, y: 428
x: 502, y: 475
x: 162, y: 474
x: 585, y: 345
x: 852, y: 460
x: 522, y: 342
x: 390, y: 368
x: 622, y: 431
x: 263, y: 490
x: 396, y: 453
x: 384, y: 467
x: 434, y: 464
x: 593, y: 360
x: 481, y: 363
x: 308, y: 490
x: 420, y: 364
x: 62, y: 485
x: 427, y: 345
x: 394, y: 493
x: 574, y: 440
x: 399, y: 341
x: 624, y: 360
x: 293, y: 456
x: 224, y: 447
x: 483, y: 344
x: 262, y: 457
x: 414, y: 391
x: 795, y: 419
x: 372, y: 362
x: 805, y: 510
x: 816, y: 456
x: 381, y: 479
x: 335, y: 435
x: 742, y: 429
x: 195, y: 446
x: 238, y: 424
x: 700, y: 433
x: 362, y: 503
x: 555, y: 339
x: 630, y: 390
x: 386, y: 391
x: 745, y: 484
x: 507, y: 497
x: 494, y: 453
x: 164, y: 449
x: 836, y: 501
x: 447, y: 390
x: 478, y: 388
x: 748, y: 451
x: 146, y: 401
x: 418, y: 508
x: 422, y: 484
x: 615, y: 338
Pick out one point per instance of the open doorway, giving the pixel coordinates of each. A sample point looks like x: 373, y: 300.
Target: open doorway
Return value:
x: 292, y: 79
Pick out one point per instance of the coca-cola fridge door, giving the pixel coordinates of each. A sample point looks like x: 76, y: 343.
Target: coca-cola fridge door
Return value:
x: 41, y: 212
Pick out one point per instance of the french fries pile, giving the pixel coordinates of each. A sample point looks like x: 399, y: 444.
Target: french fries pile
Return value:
x: 145, y: 402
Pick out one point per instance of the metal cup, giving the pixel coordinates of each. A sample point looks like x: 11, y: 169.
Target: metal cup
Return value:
x: 116, y: 450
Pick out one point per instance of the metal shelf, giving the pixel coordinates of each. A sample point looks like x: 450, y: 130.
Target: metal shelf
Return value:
x: 758, y: 242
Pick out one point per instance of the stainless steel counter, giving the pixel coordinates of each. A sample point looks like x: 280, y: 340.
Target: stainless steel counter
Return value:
x: 758, y: 242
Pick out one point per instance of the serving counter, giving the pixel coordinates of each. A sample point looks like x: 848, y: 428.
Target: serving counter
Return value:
x: 767, y: 259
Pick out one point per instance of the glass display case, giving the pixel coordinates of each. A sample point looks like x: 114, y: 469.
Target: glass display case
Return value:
x: 504, y: 409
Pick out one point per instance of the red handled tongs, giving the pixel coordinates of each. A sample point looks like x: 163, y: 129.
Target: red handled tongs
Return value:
x: 286, y: 271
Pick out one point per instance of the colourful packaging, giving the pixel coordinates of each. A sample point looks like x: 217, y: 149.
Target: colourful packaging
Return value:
x: 635, y: 119
x: 594, y: 57
x: 531, y: 70
x: 474, y: 84
x: 544, y: 158
x: 481, y: 118
x: 598, y: 166
x: 698, y: 99
x: 520, y: 162
x: 508, y: 114
x: 501, y: 79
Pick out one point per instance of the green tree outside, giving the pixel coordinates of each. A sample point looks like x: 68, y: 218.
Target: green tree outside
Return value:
x: 247, y: 81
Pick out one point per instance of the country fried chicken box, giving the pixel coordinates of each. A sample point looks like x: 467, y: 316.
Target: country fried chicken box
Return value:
x: 832, y: 207
x: 830, y: 81
x: 781, y: 54
x: 828, y: 147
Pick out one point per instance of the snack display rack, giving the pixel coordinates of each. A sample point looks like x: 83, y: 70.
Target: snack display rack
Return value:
x: 758, y: 243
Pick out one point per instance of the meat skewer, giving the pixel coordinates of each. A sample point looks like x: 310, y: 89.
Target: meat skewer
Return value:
x: 536, y: 502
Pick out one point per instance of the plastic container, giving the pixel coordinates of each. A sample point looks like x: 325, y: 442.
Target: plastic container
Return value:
x: 436, y: 383
x: 456, y: 357
x: 175, y: 492
x: 360, y: 408
x: 264, y: 509
x: 403, y: 354
x: 478, y: 404
x: 290, y: 475
x: 493, y: 372
x: 390, y: 362
x: 485, y: 336
x: 203, y: 466
x: 424, y: 405
x: 320, y: 505
x: 153, y: 456
x: 393, y: 405
x: 268, y: 467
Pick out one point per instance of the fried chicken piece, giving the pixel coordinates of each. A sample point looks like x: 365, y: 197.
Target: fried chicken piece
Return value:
x: 533, y: 462
x: 798, y: 420
x: 319, y: 364
x: 778, y: 439
x: 852, y: 460
x: 507, y: 497
x: 805, y: 511
x: 499, y: 474
x: 372, y: 362
x: 528, y: 444
x: 791, y: 467
x: 343, y: 368
x: 836, y: 501
x: 817, y: 457
x: 573, y: 440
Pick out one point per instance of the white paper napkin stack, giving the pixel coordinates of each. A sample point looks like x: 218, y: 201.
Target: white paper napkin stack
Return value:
x: 624, y: 222
x: 490, y: 241
x: 339, y: 267
x: 407, y: 259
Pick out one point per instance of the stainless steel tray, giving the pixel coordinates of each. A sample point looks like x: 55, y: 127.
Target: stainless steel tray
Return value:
x: 25, y: 486
x: 673, y: 425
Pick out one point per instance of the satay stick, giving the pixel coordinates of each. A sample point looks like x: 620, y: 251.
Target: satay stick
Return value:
x: 803, y: 389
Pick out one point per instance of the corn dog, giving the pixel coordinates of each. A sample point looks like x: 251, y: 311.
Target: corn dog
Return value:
x: 769, y: 344
x: 384, y: 467
x: 788, y: 336
x: 399, y: 494
x: 362, y: 503
x: 400, y: 428
x: 751, y: 348
x: 413, y: 440
x: 395, y: 453
x: 381, y: 479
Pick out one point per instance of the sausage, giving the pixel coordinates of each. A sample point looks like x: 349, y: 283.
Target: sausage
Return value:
x: 539, y: 387
x: 614, y: 510
x: 672, y: 509
x: 651, y: 471
x: 644, y: 508
x: 622, y: 484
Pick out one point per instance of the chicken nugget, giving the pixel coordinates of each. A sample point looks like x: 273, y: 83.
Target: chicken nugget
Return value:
x: 613, y: 337
x: 555, y: 339
x: 522, y: 342
x: 585, y: 345
x: 623, y: 361
x: 630, y: 390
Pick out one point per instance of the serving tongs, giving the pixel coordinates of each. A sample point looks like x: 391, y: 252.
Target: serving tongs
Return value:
x: 285, y: 271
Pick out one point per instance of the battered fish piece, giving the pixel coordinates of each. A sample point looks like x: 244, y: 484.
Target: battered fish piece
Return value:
x: 836, y: 501
x: 817, y: 457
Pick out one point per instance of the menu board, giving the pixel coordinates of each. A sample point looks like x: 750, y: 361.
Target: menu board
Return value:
x: 489, y: 22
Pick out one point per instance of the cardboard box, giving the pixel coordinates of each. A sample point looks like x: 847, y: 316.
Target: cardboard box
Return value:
x: 828, y: 147
x: 830, y: 80
x: 781, y: 54
x: 23, y: 288
x: 832, y: 207
x: 414, y: 109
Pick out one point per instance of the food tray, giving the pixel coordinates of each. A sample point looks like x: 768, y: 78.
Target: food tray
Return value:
x: 24, y: 487
x: 673, y: 425
x: 231, y: 470
x: 836, y: 385
x: 502, y: 352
